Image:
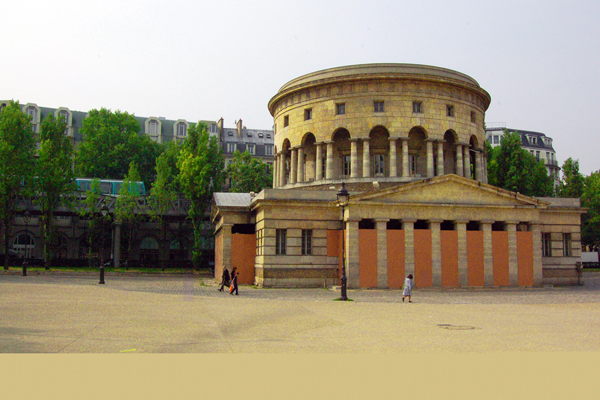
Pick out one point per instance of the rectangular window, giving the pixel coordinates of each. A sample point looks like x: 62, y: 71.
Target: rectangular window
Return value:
x: 340, y: 109
x: 251, y: 148
x: 308, y: 114
x: 378, y: 106
x: 567, y: 245
x: 490, y: 140
x: 181, y: 129
x: 537, y: 155
x: 346, y: 167
x: 417, y: 107
x: 269, y: 150
x: 379, y: 165
x: 449, y: 111
x: 231, y: 147
x: 153, y: 127
x: 533, y: 140
x: 306, y: 242
x: 473, y: 117
x: 496, y: 139
x: 280, y: 241
x: 546, y: 245
x: 286, y: 121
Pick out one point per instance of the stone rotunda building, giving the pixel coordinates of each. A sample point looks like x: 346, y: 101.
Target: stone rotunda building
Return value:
x: 407, y: 140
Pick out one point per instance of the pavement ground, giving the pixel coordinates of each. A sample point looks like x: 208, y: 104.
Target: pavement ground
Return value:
x: 72, y: 313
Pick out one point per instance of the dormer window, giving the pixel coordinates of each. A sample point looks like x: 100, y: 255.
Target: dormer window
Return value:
x: 260, y: 135
x: 153, y: 127
x: 249, y: 134
x: 32, y: 112
x: 268, y: 136
x: 229, y: 133
x: 181, y: 129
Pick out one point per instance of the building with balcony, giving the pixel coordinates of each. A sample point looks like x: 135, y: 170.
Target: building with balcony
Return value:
x: 538, y: 144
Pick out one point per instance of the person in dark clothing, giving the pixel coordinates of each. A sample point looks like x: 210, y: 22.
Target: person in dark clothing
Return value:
x: 234, y: 280
x: 224, y: 279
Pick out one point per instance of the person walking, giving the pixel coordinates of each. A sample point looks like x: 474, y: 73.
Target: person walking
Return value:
x: 234, y: 281
x: 224, y: 279
x: 408, y: 285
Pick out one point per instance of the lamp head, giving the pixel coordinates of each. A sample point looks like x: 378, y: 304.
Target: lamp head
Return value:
x: 343, y: 197
x: 26, y: 216
x: 104, y: 210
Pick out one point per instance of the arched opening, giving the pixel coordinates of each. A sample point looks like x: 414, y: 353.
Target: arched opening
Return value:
x: 450, y: 139
x: 341, y: 152
x: 59, y: 247
x: 286, y: 159
x: 473, y: 146
x: 417, y: 152
x: 380, y: 150
x: 24, y: 246
x: 310, y: 157
x: 177, y: 250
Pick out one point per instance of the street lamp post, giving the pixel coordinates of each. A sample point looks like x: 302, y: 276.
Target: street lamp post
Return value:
x: 343, y: 197
x: 26, y: 218
x: 103, y: 211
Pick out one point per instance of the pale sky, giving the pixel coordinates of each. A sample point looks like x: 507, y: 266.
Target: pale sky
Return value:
x: 539, y: 60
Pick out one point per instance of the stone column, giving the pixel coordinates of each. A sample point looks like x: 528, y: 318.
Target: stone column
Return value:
x: 393, y: 161
x: 281, y: 169
x: 436, y: 252
x: 366, y: 158
x: 488, y: 256
x: 405, y: 170
x: 293, y: 166
x: 117, y: 244
x: 429, y: 158
x: 353, y: 158
x: 440, y: 157
x: 275, y: 171
x: 300, y: 165
x: 329, y: 166
x: 463, y: 272
x: 467, y: 162
x: 459, y: 160
x: 352, y: 269
x: 537, y: 254
x: 408, y: 225
x: 382, y: 277
x: 319, y: 162
x: 478, y: 170
x: 226, y: 232
x: 513, y: 265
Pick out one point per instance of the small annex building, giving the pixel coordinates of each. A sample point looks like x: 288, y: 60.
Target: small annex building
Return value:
x: 407, y: 141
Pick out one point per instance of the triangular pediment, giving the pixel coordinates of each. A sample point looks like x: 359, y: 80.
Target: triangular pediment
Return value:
x: 448, y: 189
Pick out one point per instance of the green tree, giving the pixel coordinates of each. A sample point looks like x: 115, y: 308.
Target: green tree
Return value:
x: 201, y: 173
x: 572, y: 182
x: 111, y: 141
x: 162, y: 194
x: 513, y: 168
x: 590, y: 226
x: 54, y: 181
x: 17, y: 150
x: 249, y: 174
x: 91, y: 211
x: 127, y: 209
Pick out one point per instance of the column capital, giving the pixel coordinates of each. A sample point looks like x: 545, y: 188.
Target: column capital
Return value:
x: 393, y: 139
x: 382, y: 220
x: 440, y: 140
x: 430, y: 140
x: 461, y: 221
x: 463, y: 144
x: 410, y: 220
x: 511, y: 222
x: 354, y: 139
x: 328, y: 141
x: 436, y: 221
x: 487, y: 222
x: 403, y: 138
x: 365, y: 139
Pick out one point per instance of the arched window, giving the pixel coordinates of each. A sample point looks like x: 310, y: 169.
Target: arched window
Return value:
x: 153, y: 127
x: 149, y: 249
x: 24, y: 245
x: 181, y: 129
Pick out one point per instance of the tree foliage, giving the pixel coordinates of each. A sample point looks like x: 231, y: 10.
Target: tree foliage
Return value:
x: 126, y: 206
x: 54, y: 183
x: 513, y: 168
x: 111, y: 141
x: 572, y: 182
x: 249, y: 174
x: 91, y: 211
x: 200, y: 163
x: 590, y: 198
x: 17, y: 149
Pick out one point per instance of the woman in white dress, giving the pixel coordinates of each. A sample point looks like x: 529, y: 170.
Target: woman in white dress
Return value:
x: 408, y: 285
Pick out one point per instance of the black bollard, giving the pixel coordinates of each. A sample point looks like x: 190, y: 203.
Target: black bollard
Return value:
x: 25, y: 267
x: 101, y: 275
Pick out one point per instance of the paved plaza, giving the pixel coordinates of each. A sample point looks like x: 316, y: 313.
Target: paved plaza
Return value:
x: 71, y: 313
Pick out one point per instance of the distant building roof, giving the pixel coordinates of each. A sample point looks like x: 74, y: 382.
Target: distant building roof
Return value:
x: 232, y: 199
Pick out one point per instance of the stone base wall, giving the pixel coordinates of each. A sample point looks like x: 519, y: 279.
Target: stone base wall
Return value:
x: 561, y: 277
x: 296, y: 277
